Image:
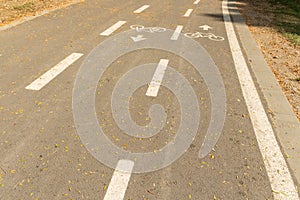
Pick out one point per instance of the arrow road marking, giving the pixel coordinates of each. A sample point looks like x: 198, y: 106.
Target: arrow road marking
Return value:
x: 157, y: 78
x: 205, y: 27
x: 188, y: 13
x: 138, y: 38
x: 119, y: 181
x: 141, y: 9
x: 113, y: 28
x: 53, y: 72
x: 177, y: 32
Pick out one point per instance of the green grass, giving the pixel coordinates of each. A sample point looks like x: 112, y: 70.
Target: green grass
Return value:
x: 287, y: 14
x: 294, y: 38
x: 291, y: 4
x: 29, y: 6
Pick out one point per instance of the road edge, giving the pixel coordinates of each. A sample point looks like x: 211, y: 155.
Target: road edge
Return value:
x: 284, y: 121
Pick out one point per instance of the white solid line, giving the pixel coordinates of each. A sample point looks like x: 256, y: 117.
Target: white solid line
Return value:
x: 177, y: 32
x: 196, y: 2
x: 279, y: 175
x: 141, y: 9
x: 119, y: 181
x: 188, y: 13
x: 113, y: 28
x: 53, y: 72
x: 157, y: 78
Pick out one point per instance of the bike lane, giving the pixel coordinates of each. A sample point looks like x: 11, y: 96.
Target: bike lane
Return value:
x: 233, y: 169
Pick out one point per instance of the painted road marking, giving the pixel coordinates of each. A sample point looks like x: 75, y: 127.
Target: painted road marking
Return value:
x: 205, y: 27
x: 113, y: 28
x: 141, y: 9
x: 188, y: 13
x: 177, y: 32
x: 53, y: 72
x: 280, y: 178
x: 119, y: 181
x: 138, y: 38
x: 196, y: 2
x: 157, y: 78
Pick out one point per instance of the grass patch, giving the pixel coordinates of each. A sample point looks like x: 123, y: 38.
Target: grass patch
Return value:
x: 287, y: 14
x: 291, y: 4
x: 294, y: 38
x: 27, y: 7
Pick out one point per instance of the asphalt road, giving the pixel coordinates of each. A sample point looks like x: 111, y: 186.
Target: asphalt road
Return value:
x: 46, y: 154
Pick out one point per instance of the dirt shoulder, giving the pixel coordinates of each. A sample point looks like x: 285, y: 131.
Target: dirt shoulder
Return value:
x: 11, y: 10
x: 281, y: 52
x: 281, y: 55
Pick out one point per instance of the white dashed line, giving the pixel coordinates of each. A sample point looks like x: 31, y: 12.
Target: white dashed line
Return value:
x: 119, y: 181
x: 53, y: 72
x: 113, y: 28
x: 188, y: 13
x: 197, y: 1
x: 177, y: 32
x: 157, y: 78
x: 279, y: 175
x: 141, y: 9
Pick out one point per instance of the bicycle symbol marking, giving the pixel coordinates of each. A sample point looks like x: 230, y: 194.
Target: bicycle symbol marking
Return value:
x: 141, y: 28
x: 210, y: 36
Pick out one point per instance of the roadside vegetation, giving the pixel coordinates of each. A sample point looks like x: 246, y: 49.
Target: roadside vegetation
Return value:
x: 287, y: 18
x: 11, y: 10
x: 275, y: 26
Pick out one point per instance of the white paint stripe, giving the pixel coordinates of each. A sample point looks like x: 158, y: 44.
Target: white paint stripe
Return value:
x: 119, y: 181
x: 188, y: 13
x: 113, y: 28
x: 177, y: 32
x: 280, y: 178
x: 53, y: 72
x: 157, y: 78
x: 196, y: 2
x: 141, y: 9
